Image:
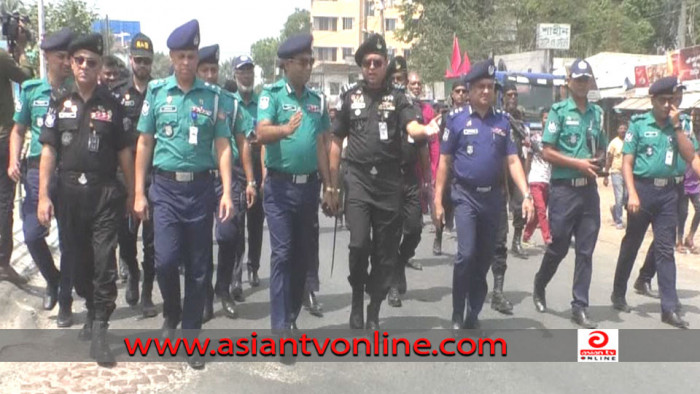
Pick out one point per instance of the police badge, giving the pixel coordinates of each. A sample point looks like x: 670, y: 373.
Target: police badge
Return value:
x: 573, y: 139
x: 168, y: 130
x: 650, y: 150
x: 470, y: 150
x: 66, y: 138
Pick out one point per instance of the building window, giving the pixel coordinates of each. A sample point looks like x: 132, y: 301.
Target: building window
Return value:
x: 325, y: 23
x: 347, y: 23
x: 326, y: 54
x: 390, y: 24
x: 369, y: 8
x: 335, y: 88
x: 406, y: 54
x: 347, y: 52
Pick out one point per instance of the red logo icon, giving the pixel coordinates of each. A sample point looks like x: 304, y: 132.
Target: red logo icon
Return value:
x: 598, y: 339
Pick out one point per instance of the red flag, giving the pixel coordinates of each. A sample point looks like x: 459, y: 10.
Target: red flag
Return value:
x: 453, y: 71
x: 466, y: 65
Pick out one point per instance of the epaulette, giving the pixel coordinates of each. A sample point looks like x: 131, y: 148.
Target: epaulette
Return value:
x: 31, y: 83
x: 156, y: 84
x: 557, y: 106
x: 214, y: 88
x: 455, y: 112
x: 637, y: 117
x: 348, y: 87
x: 273, y: 87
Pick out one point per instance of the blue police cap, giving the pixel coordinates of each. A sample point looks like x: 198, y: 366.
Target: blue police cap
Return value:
x: 241, y: 61
x: 665, y: 85
x: 581, y: 68
x: 58, y: 41
x: 295, y: 45
x: 185, y: 37
x: 397, y: 64
x: 89, y: 42
x: 480, y: 70
x: 375, y: 43
x: 209, y: 54
x: 141, y: 46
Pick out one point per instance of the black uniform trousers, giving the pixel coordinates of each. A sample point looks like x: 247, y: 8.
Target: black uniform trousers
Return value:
x: 256, y: 217
x: 500, y: 253
x: 411, y: 213
x: 658, y: 207
x: 128, y: 241
x: 7, y: 201
x: 373, y: 215
x: 572, y: 211
x: 88, y: 221
x: 516, y: 205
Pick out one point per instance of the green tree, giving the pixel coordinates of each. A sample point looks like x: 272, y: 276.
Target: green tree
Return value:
x: 76, y: 14
x: 226, y: 71
x: 264, y: 53
x: 298, y: 22
x: 161, y: 65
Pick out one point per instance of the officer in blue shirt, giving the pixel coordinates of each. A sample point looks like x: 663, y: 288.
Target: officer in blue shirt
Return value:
x: 652, y: 173
x: 477, y: 145
x: 185, y: 115
x: 32, y: 105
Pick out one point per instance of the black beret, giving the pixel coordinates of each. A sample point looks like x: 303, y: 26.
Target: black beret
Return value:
x: 373, y: 44
x: 294, y: 45
x: 508, y: 86
x: 58, y: 41
x: 397, y: 64
x: 459, y: 82
x: 91, y: 42
x: 209, y: 54
x: 480, y: 70
x: 665, y: 85
x: 185, y: 37
x: 141, y: 46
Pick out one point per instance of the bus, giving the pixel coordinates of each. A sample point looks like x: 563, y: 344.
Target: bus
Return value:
x: 535, y: 92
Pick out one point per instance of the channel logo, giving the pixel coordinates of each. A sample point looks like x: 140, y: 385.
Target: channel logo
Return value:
x: 598, y: 346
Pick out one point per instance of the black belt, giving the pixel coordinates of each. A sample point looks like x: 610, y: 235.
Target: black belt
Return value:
x: 183, y: 176
x: 573, y: 182
x: 84, y: 178
x: 478, y: 189
x: 33, y: 162
x: 659, y: 182
x: 293, y: 178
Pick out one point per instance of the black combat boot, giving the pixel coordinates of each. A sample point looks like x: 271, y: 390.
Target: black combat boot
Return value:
x: 437, y: 244
x: 99, y: 348
x: 499, y: 302
x: 357, y: 315
x: 373, y: 307
x: 517, y: 247
x: 132, y: 288
x: 147, y: 307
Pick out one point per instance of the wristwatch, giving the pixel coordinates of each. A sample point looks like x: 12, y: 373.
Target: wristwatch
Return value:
x: 253, y: 184
x: 528, y: 196
x: 331, y: 190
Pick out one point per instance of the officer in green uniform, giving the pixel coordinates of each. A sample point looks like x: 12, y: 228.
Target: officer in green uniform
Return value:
x: 229, y: 234
x: 32, y: 105
x: 650, y: 167
x: 574, y: 143
x: 186, y: 117
x: 291, y: 121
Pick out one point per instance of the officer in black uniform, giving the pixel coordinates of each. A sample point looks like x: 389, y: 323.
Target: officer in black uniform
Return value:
x: 131, y: 94
x: 652, y: 173
x: 374, y: 117
x: 412, y: 152
x: 84, y: 137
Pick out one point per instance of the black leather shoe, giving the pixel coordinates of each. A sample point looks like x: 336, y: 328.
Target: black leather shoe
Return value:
x: 357, y: 311
x: 412, y: 264
x: 65, y: 317
x: 373, y: 316
x: 580, y: 317
x: 9, y: 274
x: 457, y: 321
x: 228, y: 305
x: 393, y: 298
x: 471, y: 323
x: 50, y: 297
x: 517, y: 246
x: 237, y: 292
x: 132, y: 290
x: 253, y: 278
x: 539, y: 299
x: 620, y: 304
x: 644, y: 288
x: 437, y: 244
x: 293, y: 327
x: 147, y: 307
x: 673, y: 319
x: 196, y: 362
x: 500, y: 303
x: 85, y: 333
x: 312, y: 305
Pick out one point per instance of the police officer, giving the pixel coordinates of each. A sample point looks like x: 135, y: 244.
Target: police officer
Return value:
x: 374, y: 117
x: 32, y: 105
x: 651, y: 171
x: 574, y: 143
x: 83, y: 136
x: 229, y: 233
x: 477, y: 143
x: 291, y: 122
x: 131, y: 95
x: 412, y: 152
x: 185, y: 114
x: 244, y: 75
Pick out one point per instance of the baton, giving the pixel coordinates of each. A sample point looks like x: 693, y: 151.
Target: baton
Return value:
x: 335, y: 234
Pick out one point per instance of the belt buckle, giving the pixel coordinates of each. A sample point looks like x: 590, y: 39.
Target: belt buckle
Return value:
x: 578, y: 182
x: 301, y: 179
x: 484, y: 189
x: 184, y: 176
x: 660, y: 182
x: 82, y: 179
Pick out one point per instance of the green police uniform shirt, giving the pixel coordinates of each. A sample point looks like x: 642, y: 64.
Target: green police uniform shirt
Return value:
x: 237, y: 119
x: 295, y: 154
x: 687, y: 124
x: 251, y: 108
x: 655, y: 149
x: 184, y: 124
x: 30, y: 108
x: 568, y: 131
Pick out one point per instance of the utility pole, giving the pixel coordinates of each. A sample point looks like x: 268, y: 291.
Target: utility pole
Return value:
x: 682, y: 19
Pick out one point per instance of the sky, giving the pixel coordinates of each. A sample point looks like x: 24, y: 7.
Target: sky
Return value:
x: 233, y: 24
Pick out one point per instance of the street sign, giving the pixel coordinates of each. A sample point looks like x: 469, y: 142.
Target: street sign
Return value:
x: 553, y: 36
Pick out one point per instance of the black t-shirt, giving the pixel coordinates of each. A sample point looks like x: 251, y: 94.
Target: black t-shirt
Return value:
x: 410, y: 148
x: 86, y: 135
x: 374, y: 123
x: 131, y: 101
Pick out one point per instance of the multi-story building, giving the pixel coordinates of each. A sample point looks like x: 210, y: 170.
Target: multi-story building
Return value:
x: 339, y: 27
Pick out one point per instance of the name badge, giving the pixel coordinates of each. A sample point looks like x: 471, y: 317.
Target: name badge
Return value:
x: 669, y: 158
x: 358, y: 105
x: 194, y: 132
x: 383, y: 131
x: 572, y: 122
x: 289, y: 107
x: 168, y: 109
x: 67, y: 115
x: 651, y: 133
x: 470, y: 131
x: 129, y: 103
x: 40, y: 103
x: 94, y: 142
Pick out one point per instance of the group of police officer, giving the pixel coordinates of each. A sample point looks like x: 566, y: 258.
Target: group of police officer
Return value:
x: 182, y: 156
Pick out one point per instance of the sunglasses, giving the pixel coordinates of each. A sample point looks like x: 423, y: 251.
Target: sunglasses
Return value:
x: 145, y: 61
x: 460, y: 91
x: 90, y: 62
x: 376, y: 63
x: 304, y: 62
